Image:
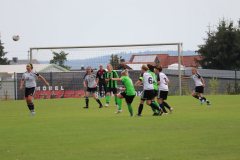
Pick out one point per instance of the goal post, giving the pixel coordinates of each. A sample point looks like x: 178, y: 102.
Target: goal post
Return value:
x: 178, y: 46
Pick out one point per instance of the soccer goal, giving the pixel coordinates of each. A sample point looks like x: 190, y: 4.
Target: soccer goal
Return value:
x: 130, y: 56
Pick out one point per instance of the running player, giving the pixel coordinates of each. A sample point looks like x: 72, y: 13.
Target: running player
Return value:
x: 102, y: 84
x: 30, y: 78
x: 199, y: 87
x: 148, y: 90
x: 163, y: 90
x: 111, y: 84
x: 128, y: 92
x: 90, y: 82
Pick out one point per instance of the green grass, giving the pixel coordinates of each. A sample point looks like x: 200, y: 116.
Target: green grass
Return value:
x: 62, y: 129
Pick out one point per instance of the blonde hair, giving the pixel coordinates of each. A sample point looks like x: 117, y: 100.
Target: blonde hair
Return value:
x: 144, y: 67
x: 124, y: 72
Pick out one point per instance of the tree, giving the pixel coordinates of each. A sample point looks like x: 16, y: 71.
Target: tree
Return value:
x: 3, y: 60
x: 114, y: 61
x: 222, y: 47
x: 60, y: 59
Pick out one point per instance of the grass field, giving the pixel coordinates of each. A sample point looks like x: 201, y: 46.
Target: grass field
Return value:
x: 62, y: 129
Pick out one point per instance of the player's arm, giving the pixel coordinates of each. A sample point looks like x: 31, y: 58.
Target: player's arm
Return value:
x: 116, y: 79
x: 21, y: 83
x: 203, y: 82
x: 97, y: 81
x: 158, y: 79
x: 139, y: 82
x: 42, y: 79
x: 84, y: 84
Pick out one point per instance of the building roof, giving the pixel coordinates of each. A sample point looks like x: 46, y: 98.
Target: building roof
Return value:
x: 10, y: 69
x: 164, y: 60
x: 25, y: 61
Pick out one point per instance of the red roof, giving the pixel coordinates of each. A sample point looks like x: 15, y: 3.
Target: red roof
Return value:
x: 166, y: 60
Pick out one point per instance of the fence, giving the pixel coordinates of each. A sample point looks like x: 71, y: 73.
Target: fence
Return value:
x: 70, y: 84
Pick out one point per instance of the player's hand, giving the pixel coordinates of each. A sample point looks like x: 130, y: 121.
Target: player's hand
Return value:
x: 21, y: 87
x: 203, y: 85
x: 47, y: 83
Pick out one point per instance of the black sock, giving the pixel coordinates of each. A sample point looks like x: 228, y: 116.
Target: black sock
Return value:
x: 166, y: 105
x: 99, y: 102
x: 163, y: 108
x: 203, y: 98
x: 140, y: 108
x: 31, y: 106
x: 87, y: 101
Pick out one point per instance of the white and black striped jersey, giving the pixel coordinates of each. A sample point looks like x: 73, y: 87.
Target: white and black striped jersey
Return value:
x: 197, y: 79
x: 30, y: 79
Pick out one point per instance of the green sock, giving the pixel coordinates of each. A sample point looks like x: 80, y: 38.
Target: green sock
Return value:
x: 116, y: 99
x: 130, y: 109
x: 119, y: 103
x: 107, y: 99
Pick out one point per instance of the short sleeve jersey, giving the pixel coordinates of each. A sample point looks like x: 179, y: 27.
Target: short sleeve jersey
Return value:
x: 197, y: 79
x: 128, y: 84
x: 90, y: 79
x: 155, y: 84
x: 30, y: 79
x: 163, y: 86
x: 147, y: 80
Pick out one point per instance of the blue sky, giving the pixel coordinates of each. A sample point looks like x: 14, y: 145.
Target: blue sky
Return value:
x: 101, y: 22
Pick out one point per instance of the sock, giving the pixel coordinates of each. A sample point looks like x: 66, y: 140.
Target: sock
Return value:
x: 31, y: 107
x: 155, y: 103
x: 163, y: 108
x: 116, y: 99
x: 166, y: 105
x: 140, y: 108
x: 107, y: 99
x: 87, y: 101
x: 119, y: 103
x: 99, y: 102
x: 130, y: 109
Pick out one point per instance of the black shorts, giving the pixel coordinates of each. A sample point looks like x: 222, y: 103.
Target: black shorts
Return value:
x: 162, y: 94
x: 113, y: 90
x: 156, y: 93
x: 148, y: 95
x: 129, y: 99
x: 92, y: 90
x: 29, y: 91
x: 199, y: 89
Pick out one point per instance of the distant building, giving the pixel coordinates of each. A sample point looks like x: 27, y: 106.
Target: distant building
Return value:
x: 165, y: 60
x: 16, y: 61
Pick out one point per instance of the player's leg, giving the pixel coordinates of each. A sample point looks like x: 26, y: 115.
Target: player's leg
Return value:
x: 129, y: 100
x: 100, y: 89
x: 114, y: 90
x: 150, y: 101
x: 87, y: 98
x: 29, y: 92
x: 119, y: 102
x: 95, y: 96
x: 107, y: 97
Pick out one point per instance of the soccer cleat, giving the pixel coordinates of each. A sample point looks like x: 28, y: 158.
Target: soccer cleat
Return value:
x: 32, y: 113
x: 118, y: 111
x: 171, y: 110
x: 106, y: 105
x: 100, y: 106
x: 139, y: 115
x: 155, y: 114
x: 85, y: 107
x: 208, y: 103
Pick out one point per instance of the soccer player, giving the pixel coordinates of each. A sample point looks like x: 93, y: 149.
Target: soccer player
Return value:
x: 101, y: 81
x: 30, y: 78
x: 148, y: 90
x: 155, y: 85
x: 90, y: 82
x: 128, y: 92
x: 111, y: 84
x: 199, y: 87
x: 163, y: 90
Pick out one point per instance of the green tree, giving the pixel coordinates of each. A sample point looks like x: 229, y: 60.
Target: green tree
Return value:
x: 115, y: 61
x: 3, y: 59
x: 222, y: 47
x: 60, y: 59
